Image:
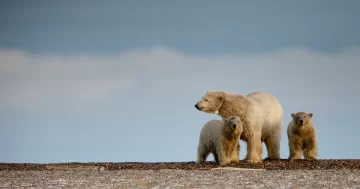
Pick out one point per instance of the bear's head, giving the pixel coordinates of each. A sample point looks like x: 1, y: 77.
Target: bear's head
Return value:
x: 233, y: 125
x: 210, y: 102
x: 301, y: 118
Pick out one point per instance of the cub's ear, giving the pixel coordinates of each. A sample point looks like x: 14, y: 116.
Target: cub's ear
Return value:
x: 293, y: 115
x: 310, y: 115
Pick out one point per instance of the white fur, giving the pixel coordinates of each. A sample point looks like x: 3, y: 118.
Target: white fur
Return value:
x: 271, y: 116
x: 210, y: 134
x: 261, y: 114
x: 210, y: 141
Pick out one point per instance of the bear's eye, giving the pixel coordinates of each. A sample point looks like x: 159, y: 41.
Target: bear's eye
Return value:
x: 205, y: 100
x: 297, y: 117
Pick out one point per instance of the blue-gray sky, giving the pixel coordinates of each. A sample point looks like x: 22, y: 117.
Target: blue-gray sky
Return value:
x: 118, y: 80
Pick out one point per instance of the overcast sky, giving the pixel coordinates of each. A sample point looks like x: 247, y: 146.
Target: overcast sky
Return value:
x: 89, y: 82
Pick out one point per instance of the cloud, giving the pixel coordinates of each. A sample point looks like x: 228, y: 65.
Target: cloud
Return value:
x: 33, y: 79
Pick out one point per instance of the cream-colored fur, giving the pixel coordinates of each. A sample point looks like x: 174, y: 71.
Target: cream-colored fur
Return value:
x: 261, y: 115
x: 221, y: 139
x: 302, y: 137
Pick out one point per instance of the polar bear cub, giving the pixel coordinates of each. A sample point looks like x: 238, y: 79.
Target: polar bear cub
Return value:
x: 302, y: 137
x: 222, y: 139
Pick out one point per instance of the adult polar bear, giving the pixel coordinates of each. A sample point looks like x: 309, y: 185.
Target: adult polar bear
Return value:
x: 261, y: 114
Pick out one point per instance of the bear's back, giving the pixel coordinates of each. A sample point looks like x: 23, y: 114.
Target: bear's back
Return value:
x: 211, y: 131
x: 267, y: 101
x: 271, y: 111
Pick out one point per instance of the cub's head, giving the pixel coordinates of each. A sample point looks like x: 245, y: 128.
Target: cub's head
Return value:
x: 210, y: 102
x: 233, y: 124
x: 301, y: 118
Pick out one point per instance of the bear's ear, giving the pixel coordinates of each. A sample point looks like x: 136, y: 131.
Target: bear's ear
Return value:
x: 220, y: 97
x: 310, y: 115
x: 293, y: 115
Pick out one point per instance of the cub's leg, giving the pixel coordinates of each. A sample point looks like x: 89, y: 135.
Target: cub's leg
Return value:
x: 295, y: 147
x: 235, y: 152
x: 202, y: 154
x: 224, y: 159
x: 310, y: 150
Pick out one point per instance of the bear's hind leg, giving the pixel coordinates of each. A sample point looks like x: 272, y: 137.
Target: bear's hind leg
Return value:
x: 272, y: 144
x: 202, y: 154
x: 216, y: 157
x: 254, y: 149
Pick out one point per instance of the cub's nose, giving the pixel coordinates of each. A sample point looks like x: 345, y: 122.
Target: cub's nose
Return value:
x: 234, y: 126
x: 301, y: 121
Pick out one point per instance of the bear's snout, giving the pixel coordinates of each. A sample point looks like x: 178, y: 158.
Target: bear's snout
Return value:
x: 234, y: 126
x: 198, y: 107
x: 301, y: 121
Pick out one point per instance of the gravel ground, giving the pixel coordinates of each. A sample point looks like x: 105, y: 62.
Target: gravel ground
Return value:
x: 267, y: 164
x: 169, y: 178
x: 268, y: 174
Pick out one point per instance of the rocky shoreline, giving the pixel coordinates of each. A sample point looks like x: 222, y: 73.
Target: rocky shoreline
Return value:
x: 326, y: 164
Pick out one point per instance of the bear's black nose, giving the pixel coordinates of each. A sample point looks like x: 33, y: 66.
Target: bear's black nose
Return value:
x: 234, y: 126
x: 301, y: 121
x: 197, y: 107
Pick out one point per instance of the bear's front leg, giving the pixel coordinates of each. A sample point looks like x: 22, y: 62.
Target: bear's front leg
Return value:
x: 254, y: 149
x: 295, y: 147
x: 310, y: 152
x: 235, y: 153
x: 223, y: 161
x: 223, y: 158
